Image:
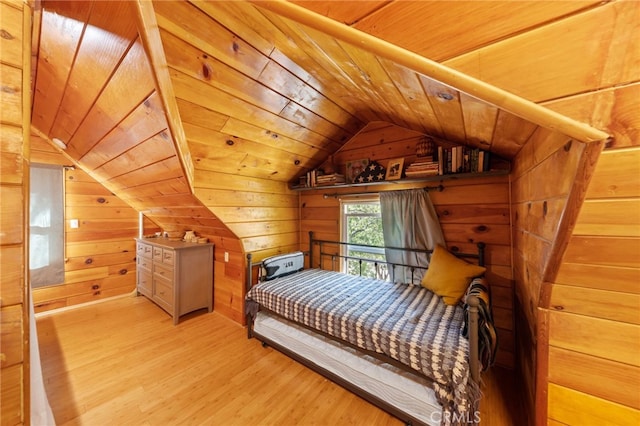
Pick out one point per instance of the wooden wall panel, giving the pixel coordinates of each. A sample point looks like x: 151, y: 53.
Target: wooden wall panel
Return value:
x: 540, y: 196
x: 11, y: 388
x: 596, y: 290
x: 609, y: 108
x: 591, y: 38
x: 617, y: 341
x: 15, y: 88
x: 401, y: 22
x: 470, y: 210
x: 617, y: 381
x: 568, y: 406
x: 616, y: 174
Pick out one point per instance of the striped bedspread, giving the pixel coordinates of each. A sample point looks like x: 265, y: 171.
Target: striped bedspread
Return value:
x: 405, y: 322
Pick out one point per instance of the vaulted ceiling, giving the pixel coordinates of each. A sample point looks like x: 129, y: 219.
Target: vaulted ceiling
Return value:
x: 200, y: 113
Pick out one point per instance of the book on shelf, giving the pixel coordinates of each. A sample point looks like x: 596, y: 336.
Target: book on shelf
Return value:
x: 331, y: 179
x: 462, y: 159
x: 315, y: 178
x: 426, y: 166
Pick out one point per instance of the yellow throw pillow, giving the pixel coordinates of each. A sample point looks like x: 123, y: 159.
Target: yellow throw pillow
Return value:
x: 449, y: 276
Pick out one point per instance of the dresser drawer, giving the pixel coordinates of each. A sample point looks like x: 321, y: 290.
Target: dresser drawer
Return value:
x: 163, y: 271
x: 157, y: 254
x: 144, y: 250
x: 144, y: 262
x: 163, y: 292
x: 145, y: 284
x: 168, y: 256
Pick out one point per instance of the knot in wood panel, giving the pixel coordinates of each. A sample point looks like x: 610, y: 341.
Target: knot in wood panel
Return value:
x: 6, y: 35
x: 206, y: 71
x: 482, y: 228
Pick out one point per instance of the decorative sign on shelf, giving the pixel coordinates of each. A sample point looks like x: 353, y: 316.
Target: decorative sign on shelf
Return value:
x: 354, y: 168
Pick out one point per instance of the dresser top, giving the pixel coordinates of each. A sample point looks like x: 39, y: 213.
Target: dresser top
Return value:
x: 172, y: 244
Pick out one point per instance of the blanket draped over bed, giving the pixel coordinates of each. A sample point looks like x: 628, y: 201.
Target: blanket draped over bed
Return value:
x: 405, y: 322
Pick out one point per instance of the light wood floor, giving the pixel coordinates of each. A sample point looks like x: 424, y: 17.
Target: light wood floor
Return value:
x: 122, y: 362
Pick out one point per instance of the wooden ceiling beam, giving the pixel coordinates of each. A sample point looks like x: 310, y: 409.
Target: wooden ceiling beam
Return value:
x: 150, y: 36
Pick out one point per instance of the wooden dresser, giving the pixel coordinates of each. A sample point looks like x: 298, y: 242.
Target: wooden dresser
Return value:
x: 175, y: 275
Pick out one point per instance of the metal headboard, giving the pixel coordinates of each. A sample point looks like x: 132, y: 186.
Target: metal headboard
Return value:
x: 312, y: 241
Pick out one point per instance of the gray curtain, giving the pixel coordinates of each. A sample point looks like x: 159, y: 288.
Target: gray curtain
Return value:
x: 409, y: 220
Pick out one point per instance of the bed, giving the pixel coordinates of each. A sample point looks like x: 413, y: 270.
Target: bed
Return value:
x: 398, y: 345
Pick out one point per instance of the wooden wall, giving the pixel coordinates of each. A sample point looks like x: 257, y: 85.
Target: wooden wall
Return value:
x: 585, y: 65
x: 15, y: 70
x: 470, y: 210
x: 594, y: 307
x: 541, y: 205
x: 100, y: 253
x: 597, y: 287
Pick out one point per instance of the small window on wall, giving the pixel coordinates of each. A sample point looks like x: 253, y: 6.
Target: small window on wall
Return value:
x: 362, y: 224
x: 46, y: 225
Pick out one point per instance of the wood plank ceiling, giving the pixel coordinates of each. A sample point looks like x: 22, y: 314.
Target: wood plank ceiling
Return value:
x: 208, y: 128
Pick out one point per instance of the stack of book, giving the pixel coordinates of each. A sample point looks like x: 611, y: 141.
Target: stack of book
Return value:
x: 315, y: 178
x: 426, y: 166
x: 331, y: 179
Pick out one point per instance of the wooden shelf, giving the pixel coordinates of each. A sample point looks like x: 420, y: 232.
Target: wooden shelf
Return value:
x: 436, y: 178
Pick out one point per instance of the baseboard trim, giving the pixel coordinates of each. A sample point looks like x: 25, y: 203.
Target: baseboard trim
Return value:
x: 84, y: 305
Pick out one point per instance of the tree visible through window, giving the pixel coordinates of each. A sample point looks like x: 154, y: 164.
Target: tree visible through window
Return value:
x: 362, y: 224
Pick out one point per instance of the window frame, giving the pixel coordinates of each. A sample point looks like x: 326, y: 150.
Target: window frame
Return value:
x: 53, y: 272
x: 346, y: 248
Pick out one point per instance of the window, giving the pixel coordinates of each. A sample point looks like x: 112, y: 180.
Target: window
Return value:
x: 362, y: 224
x: 46, y: 226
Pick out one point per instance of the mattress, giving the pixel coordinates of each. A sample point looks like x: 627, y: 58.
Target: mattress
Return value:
x: 409, y: 393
